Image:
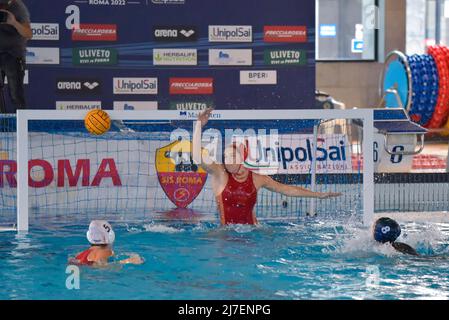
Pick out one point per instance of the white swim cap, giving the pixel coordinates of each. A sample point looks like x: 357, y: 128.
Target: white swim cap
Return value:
x: 100, y: 232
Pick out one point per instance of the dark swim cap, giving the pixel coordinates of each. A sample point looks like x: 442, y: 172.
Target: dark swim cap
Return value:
x: 386, y: 230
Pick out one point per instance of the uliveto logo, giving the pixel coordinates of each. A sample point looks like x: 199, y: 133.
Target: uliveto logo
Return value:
x: 95, y: 32
x: 45, y: 31
x: 78, y: 86
x: 191, y: 86
x: 175, y: 34
x: 285, y: 34
x: 135, y: 86
x: 94, y: 56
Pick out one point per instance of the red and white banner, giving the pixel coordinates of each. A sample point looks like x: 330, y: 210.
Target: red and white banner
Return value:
x: 285, y: 34
x: 191, y: 85
x: 95, y: 32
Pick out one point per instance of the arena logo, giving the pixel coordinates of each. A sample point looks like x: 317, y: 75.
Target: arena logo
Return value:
x: 78, y: 86
x: 285, y: 57
x: 181, y: 179
x: 135, y: 85
x: 285, y: 34
x: 230, y: 34
x: 45, y: 31
x: 65, y: 175
x: 95, y: 32
x: 102, y: 57
x: 175, y: 34
x: 175, y: 57
x: 189, y: 86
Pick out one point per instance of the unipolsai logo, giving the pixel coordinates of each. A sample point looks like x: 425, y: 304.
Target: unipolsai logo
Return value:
x: 45, y: 31
x: 230, y: 33
x: 135, y: 85
x: 295, y: 153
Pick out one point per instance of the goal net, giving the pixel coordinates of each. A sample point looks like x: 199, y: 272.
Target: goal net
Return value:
x: 143, y: 169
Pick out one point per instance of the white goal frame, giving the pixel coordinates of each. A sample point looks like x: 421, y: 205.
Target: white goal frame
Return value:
x: 24, y: 116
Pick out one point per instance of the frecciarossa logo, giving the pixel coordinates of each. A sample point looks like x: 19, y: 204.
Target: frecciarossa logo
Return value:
x: 285, y: 34
x: 64, y: 174
x: 191, y: 86
x: 95, y: 32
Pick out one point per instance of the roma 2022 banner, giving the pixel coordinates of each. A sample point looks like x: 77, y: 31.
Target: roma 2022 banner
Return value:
x: 171, y: 54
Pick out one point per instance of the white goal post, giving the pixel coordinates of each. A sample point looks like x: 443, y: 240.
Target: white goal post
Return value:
x: 25, y: 116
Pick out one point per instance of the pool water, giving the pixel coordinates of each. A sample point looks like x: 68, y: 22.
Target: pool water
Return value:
x: 307, y: 259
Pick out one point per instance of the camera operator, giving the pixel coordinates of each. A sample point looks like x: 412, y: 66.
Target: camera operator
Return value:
x: 15, y: 31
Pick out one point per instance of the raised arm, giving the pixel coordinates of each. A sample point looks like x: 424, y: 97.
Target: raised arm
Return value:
x: 292, y: 191
x: 200, y: 155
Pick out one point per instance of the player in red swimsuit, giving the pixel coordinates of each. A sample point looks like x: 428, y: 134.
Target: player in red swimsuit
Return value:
x: 235, y: 187
x: 101, y: 237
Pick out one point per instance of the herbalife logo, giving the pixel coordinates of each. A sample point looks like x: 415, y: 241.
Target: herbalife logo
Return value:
x: 175, y: 57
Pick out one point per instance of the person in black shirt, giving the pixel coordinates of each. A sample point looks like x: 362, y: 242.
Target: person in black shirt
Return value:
x: 15, y: 31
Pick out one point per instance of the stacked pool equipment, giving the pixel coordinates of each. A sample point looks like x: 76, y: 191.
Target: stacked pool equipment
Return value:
x: 419, y: 84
